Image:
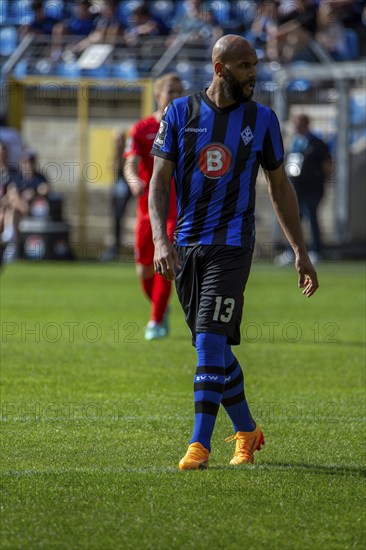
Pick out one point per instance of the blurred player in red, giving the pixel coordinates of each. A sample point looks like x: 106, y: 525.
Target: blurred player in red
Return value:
x: 137, y: 171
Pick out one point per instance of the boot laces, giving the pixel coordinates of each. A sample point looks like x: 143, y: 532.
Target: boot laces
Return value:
x: 243, y: 444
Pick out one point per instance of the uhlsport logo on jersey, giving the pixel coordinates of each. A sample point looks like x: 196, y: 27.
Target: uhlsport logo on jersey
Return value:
x: 214, y: 160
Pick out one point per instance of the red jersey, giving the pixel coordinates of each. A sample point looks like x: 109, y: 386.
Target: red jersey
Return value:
x: 140, y: 142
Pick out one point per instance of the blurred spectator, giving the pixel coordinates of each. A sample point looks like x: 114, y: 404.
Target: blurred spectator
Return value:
x: 121, y: 194
x: 12, y: 206
x: 347, y: 12
x: 81, y: 23
x: 142, y: 24
x: 12, y: 140
x: 289, y: 40
x: 42, y: 23
x: 308, y: 165
x: 332, y: 37
x: 32, y: 181
x: 197, y: 21
x: 106, y: 28
x: 332, y: 34
x: 264, y: 26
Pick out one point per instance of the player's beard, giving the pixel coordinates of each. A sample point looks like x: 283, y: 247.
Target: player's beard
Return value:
x: 233, y: 88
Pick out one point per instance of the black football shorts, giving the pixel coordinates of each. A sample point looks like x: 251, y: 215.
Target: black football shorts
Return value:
x: 210, y: 287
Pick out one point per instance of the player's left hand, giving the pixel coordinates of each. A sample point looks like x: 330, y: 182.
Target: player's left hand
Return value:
x: 308, y: 278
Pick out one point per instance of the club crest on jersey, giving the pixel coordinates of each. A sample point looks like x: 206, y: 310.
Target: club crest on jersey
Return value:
x: 214, y: 160
x: 161, y: 135
x: 247, y: 135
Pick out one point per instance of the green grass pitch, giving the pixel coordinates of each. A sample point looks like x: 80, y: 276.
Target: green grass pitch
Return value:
x: 94, y: 419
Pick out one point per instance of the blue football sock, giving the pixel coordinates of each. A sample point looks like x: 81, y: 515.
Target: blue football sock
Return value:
x: 209, y: 383
x: 233, y: 399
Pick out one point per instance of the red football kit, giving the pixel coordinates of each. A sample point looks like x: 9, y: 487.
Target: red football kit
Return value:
x: 140, y: 142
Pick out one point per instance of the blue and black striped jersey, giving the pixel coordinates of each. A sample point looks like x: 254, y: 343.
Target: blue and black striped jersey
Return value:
x: 217, y: 153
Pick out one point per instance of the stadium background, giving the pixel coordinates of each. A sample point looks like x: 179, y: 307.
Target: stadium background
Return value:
x: 68, y: 109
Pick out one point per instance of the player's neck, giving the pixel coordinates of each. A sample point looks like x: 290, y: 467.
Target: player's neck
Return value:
x: 216, y: 95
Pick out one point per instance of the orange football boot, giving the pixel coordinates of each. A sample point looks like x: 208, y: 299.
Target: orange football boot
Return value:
x: 246, y: 444
x: 196, y: 458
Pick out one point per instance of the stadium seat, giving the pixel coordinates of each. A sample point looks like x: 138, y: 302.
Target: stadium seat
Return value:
x: 124, y: 10
x: 186, y: 72
x: 54, y: 9
x: 3, y: 11
x: 265, y: 78
x: 70, y: 69
x: 358, y: 110
x: 245, y: 11
x: 21, y: 12
x: 221, y: 10
x: 299, y: 85
x: 20, y: 70
x: 126, y: 70
x: 44, y: 67
x: 100, y: 72
x: 163, y: 9
x: 8, y: 40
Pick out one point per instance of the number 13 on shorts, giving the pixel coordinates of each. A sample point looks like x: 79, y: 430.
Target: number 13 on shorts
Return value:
x: 224, y: 309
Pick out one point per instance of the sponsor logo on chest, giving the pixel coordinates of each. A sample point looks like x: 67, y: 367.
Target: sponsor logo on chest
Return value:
x: 214, y: 160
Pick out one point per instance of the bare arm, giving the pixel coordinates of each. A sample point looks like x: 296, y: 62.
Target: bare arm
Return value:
x: 285, y: 205
x: 165, y: 256
x: 131, y: 174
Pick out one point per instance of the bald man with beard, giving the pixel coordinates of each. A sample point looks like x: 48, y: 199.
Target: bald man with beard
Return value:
x: 214, y: 142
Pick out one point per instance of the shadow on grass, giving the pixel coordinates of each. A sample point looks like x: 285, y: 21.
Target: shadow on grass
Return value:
x: 339, y: 470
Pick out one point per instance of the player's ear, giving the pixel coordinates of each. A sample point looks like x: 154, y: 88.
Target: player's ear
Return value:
x: 218, y: 68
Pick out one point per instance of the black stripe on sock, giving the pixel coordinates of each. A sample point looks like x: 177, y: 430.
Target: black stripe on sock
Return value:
x: 210, y: 370
x: 210, y: 386
x: 231, y: 368
x: 233, y: 400
x: 206, y: 407
x: 233, y: 383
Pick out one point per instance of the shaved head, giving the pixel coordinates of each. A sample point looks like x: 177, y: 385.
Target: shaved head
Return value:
x: 234, y: 60
x: 229, y: 47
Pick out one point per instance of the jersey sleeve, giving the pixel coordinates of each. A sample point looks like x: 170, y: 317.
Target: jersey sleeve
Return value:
x: 165, y: 144
x: 272, y: 151
x: 134, y: 145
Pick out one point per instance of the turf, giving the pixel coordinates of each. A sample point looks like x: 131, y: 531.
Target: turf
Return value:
x: 95, y: 419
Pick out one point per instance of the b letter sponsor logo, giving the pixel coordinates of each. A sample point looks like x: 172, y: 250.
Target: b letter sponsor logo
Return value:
x: 214, y: 160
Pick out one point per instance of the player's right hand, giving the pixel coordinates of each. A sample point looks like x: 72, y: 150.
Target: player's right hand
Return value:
x: 166, y: 261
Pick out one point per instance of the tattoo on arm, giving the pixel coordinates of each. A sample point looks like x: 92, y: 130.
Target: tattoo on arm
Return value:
x: 158, y: 208
x: 159, y: 197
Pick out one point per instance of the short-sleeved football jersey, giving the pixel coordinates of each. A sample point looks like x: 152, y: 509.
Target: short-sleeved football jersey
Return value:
x: 140, y: 142
x: 217, y: 154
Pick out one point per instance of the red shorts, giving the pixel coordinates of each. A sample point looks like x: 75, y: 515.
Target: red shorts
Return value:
x: 144, y: 246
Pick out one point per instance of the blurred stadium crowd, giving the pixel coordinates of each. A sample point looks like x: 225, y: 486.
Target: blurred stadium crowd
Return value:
x: 280, y: 30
